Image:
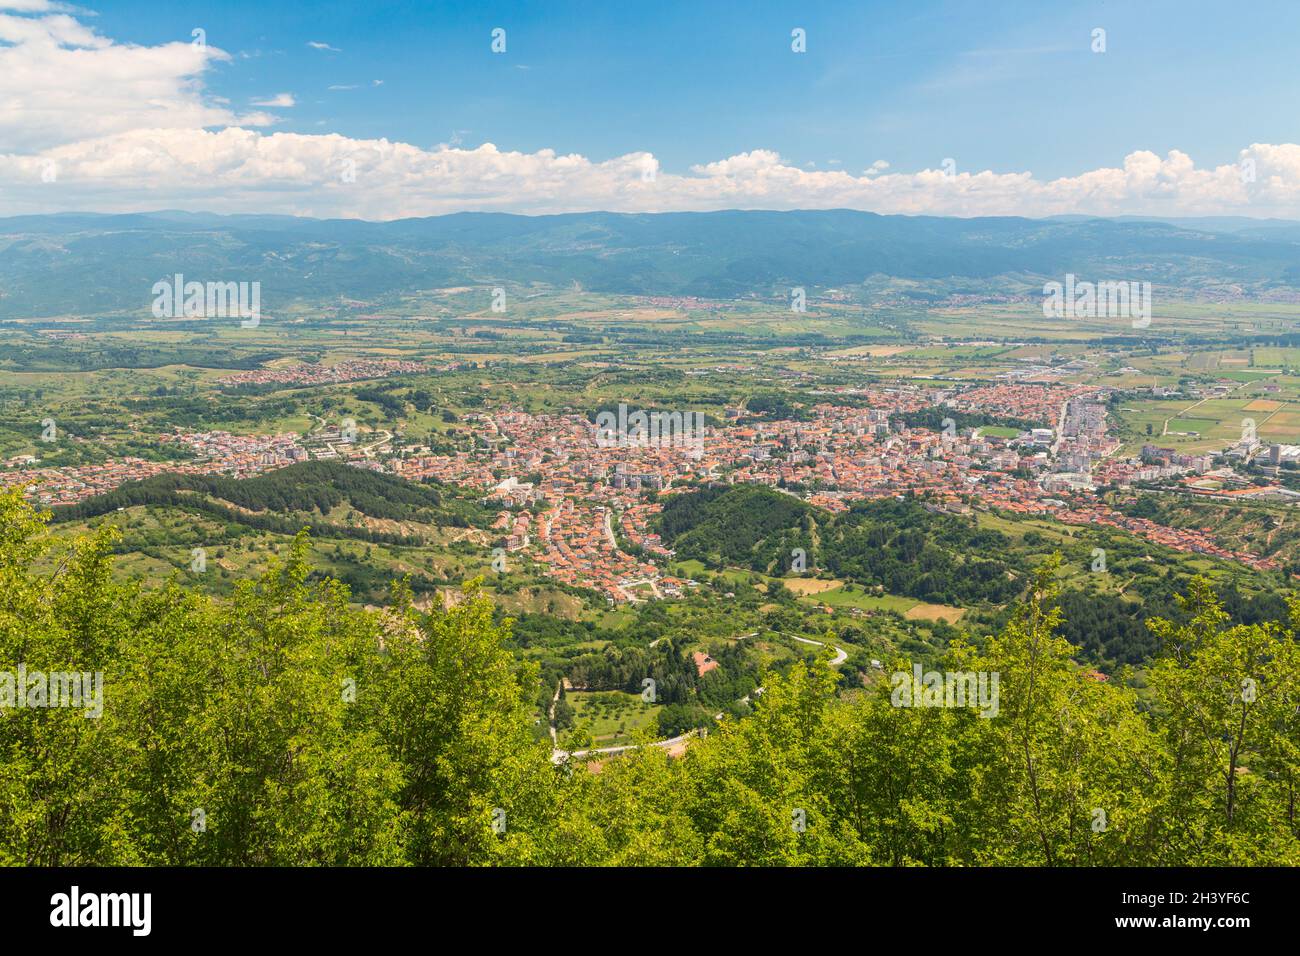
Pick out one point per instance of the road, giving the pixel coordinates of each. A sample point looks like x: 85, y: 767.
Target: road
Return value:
x: 841, y: 655
x: 1060, y: 428
x: 1164, y: 430
x: 368, y: 450
x: 559, y: 756
x: 555, y: 700
x: 609, y: 529
x: 654, y: 589
x: 742, y: 637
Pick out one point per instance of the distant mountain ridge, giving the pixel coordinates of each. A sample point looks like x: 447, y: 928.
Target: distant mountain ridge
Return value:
x: 82, y: 263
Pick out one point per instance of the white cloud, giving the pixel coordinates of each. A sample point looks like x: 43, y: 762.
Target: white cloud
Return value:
x: 35, y: 6
x: 239, y: 169
x: 130, y: 127
x: 60, y: 82
x: 280, y: 99
x: 318, y: 45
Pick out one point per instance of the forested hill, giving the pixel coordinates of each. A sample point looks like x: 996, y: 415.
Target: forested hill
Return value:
x: 284, y: 499
x: 904, y: 549
x: 234, y: 707
x: 746, y: 525
x: 900, y: 546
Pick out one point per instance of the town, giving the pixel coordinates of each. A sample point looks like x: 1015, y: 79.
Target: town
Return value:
x: 585, y: 517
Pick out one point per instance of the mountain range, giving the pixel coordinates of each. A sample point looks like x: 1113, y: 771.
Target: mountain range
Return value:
x: 89, y: 264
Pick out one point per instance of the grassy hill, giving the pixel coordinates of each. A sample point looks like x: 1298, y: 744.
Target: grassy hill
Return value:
x: 370, y: 529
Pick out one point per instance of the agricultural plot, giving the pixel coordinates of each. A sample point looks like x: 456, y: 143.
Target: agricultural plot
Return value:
x: 611, y: 717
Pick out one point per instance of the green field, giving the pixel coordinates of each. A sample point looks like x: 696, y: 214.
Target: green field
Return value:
x: 611, y: 717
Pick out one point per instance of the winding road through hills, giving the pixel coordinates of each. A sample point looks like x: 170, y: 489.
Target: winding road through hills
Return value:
x: 841, y: 655
x: 559, y: 755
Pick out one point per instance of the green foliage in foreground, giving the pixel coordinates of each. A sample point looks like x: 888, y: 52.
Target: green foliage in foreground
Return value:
x: 240, y: 709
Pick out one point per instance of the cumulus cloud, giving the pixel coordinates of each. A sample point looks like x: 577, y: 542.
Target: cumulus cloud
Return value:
x: 127, y: 127
x: 60, y: 82
x: 237, y: 169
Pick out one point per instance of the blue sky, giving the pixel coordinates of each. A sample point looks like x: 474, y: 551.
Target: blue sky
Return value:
x: 1004, y: 86
x: 386, y: 109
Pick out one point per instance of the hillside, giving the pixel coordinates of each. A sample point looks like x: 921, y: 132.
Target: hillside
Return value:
x: 44, y: 260
x: 1258, y: 527
x: 898, y: 546
x: 747, y: 525
x: 234, y: 707
x: 315, y: 493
